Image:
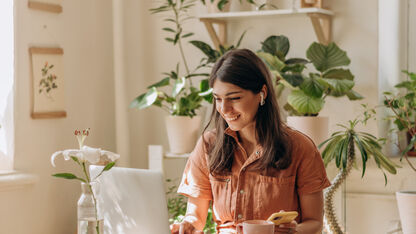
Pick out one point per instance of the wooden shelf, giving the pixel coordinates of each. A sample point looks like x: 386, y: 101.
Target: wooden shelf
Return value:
x: 321, y: 21
x: 245, y: 14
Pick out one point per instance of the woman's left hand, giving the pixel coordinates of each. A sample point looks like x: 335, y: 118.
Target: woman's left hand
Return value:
x: 286, y: 228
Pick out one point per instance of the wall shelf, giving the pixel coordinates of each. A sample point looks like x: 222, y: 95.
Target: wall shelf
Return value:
x: 321, y: 21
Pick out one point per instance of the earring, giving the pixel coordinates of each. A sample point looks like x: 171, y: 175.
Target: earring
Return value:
x: 262, y: 99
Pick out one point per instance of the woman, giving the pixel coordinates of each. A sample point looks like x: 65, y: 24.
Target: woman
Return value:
x: 251, y: 165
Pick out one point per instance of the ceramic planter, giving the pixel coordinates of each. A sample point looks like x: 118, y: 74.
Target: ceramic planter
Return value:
x: 406, y: 202
x: 182, y: 133
x: 315, y: 127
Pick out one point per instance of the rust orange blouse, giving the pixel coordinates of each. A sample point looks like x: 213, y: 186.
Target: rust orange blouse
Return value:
x: 248, y: 194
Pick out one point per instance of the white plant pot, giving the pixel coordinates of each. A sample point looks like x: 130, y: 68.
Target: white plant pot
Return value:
x: 406, y: 201
x: 315, y: 127
x: 182, y: 133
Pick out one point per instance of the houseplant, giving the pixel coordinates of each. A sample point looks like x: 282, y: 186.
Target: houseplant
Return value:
x: 177, y: 204
x: 340, y: 147
x: 176, y: 92
x: 308, y: 92
x: 90, y: 220
x: 403, y: 109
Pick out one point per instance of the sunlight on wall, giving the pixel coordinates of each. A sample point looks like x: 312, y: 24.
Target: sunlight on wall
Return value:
x: 6, y: 84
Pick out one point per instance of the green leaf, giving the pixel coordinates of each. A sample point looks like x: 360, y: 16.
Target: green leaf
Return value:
x: 293, y: 79
x: 241, y: 38
x: 339, y: 74
x: 305, y: 104
x: 363, y: 152
x: 312, y: 87
x: 168, y: 30
x: 68, y: 176
x: 187, y: 35
x: 221, y: 4
x: 326, y: 57
x: 339, y: 88
x: 170, y: 39
x: 410, y: 74
x: 75, y: 159
x: 109, y: 166
x: 296, y: 61
x: 161, y: 83
x: 409, y: 146
x: 272, y: 61
x: 277, y: 46
x: 352, y: 95
x: 145, y: 100
x: 207, y: 50
x: 178, y: 87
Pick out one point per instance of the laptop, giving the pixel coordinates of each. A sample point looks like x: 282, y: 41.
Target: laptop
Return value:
x: 132, y: 201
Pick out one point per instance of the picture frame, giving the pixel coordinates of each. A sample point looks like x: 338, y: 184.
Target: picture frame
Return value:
x: 47, y: 83
x: 53, y: 6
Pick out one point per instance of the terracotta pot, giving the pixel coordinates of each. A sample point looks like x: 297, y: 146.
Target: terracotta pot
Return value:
x: 212, y: 7
x: 315, y: 127
x: 406, y: 202
x: 182, y: 133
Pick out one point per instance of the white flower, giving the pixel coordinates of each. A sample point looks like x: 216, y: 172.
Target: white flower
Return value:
x: 86, y: 153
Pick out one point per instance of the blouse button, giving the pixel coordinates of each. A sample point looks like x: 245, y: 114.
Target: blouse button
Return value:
x: 241, y: 191
x: 240, y: 216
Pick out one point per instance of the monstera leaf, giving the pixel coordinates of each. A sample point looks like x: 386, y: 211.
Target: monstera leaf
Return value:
x: 326, y: 57
x: 304, y: 104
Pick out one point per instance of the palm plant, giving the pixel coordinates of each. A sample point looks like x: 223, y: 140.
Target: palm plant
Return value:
x: 341, y: 148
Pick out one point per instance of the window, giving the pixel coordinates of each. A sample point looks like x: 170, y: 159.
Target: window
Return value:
x: 6, y: 85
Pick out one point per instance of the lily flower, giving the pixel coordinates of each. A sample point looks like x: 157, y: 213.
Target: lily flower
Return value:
x: 86, y: 153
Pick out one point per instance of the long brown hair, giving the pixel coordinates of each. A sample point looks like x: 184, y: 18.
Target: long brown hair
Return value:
x: 243, y: 68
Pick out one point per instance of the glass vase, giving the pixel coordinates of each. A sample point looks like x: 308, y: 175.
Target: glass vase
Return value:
x: 90, y: 219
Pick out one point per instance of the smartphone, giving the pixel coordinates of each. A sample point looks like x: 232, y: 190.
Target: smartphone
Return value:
x: 283, y: 217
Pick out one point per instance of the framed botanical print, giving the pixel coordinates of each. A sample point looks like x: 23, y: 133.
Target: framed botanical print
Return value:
x: 47, y: 76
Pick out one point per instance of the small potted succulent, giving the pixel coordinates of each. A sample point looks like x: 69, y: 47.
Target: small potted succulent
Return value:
x: 308, y: 92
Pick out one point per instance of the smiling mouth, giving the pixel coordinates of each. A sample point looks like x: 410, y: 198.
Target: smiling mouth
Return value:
x: 232, y: 118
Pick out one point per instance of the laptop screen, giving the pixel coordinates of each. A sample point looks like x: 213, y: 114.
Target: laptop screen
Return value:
x: 132, y: 201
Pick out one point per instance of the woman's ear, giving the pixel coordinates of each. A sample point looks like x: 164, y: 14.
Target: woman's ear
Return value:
x: 264, y: 90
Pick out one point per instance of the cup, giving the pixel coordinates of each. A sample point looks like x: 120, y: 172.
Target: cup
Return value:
x: 255, y: 227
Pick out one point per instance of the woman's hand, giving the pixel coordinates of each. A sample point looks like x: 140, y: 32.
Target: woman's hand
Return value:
x: 286, y: 228
x: 184, y: 228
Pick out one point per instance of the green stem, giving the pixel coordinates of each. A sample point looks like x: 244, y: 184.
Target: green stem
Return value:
x: 179, y: 29
x: 93, y: 196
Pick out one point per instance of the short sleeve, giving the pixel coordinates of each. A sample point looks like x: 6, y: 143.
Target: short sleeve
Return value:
x: 311, y: 175
x: 195, y: 180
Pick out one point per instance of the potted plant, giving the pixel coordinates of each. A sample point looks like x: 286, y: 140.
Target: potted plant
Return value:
x: 308, y: 92
x: 340, y: 147
x: 176, y: 92
x: 403, y: 107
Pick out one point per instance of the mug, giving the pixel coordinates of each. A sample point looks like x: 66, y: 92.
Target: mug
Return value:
x: 255, y: 227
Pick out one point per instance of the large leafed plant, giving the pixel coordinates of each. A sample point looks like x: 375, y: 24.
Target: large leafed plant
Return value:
x: 308, y: 92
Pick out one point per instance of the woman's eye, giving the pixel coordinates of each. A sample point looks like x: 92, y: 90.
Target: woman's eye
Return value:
x: 235, y: 98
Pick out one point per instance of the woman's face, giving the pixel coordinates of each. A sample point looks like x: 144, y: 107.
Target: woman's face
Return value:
x: 237, y: 106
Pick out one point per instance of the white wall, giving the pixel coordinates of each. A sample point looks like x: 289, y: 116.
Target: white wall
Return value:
x: 148, y: 55
x: 84, y: 31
